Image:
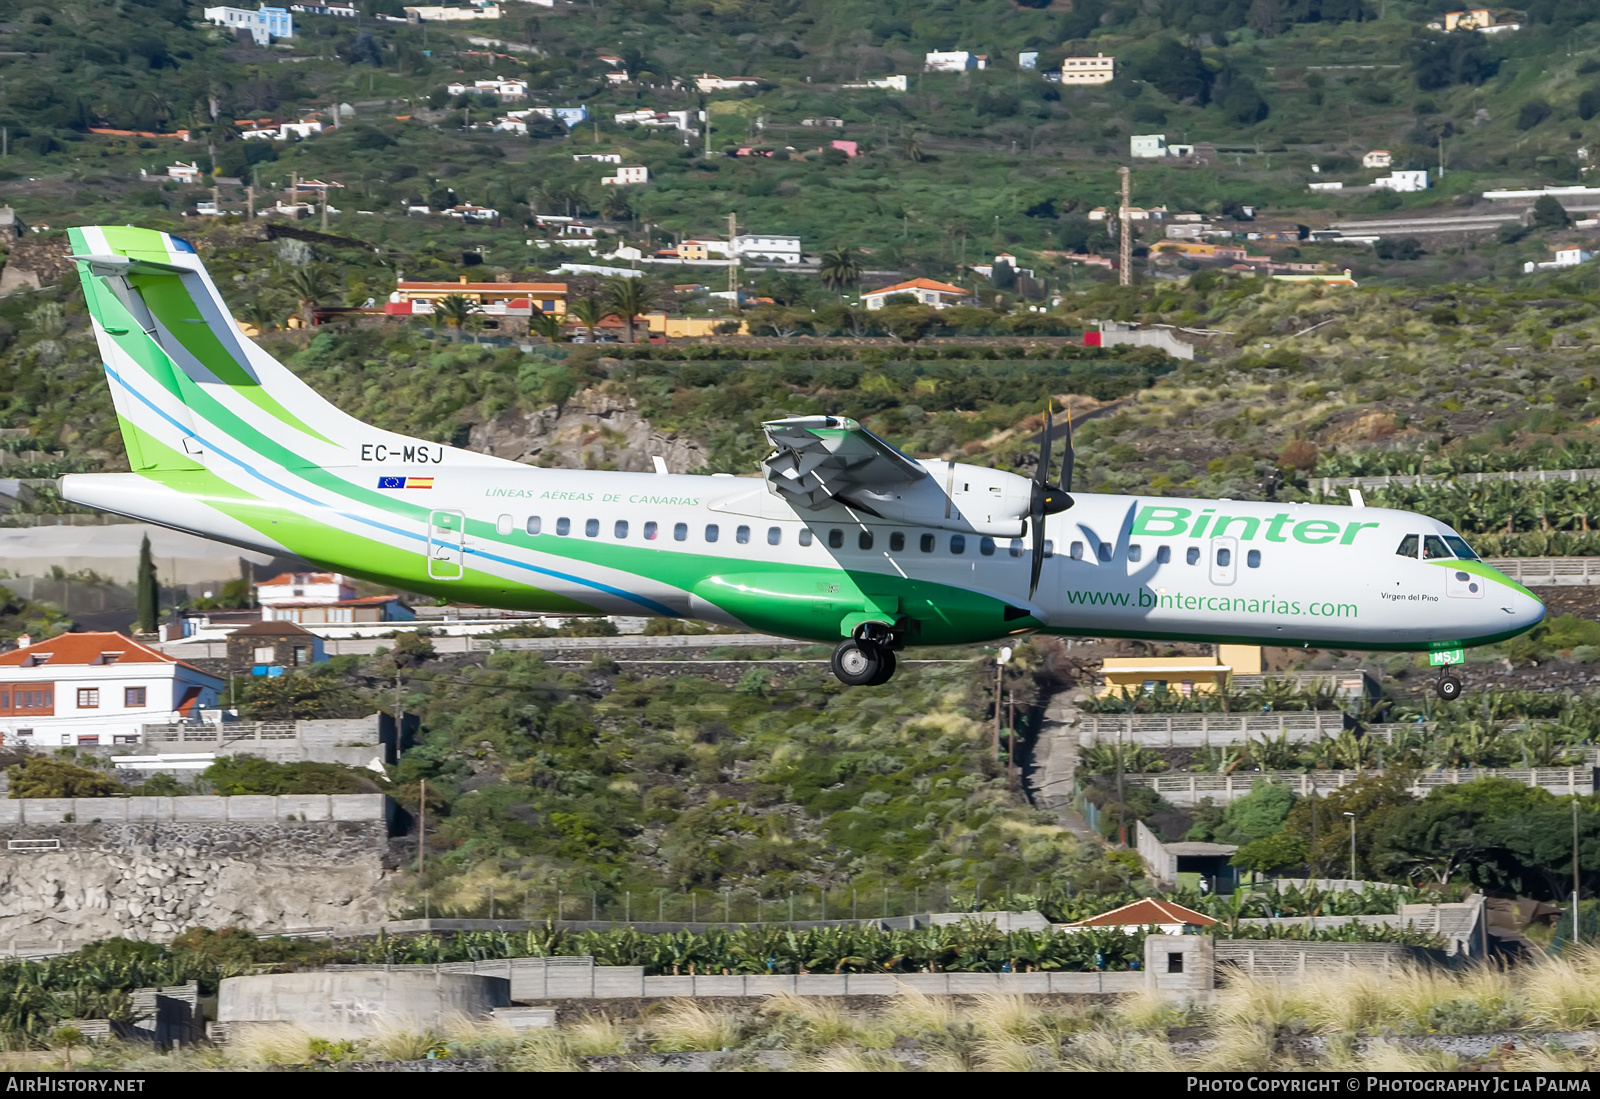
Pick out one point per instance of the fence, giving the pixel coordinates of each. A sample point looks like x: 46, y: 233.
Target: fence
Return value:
x: 1328, y: 485
x: 1206, y: 730
x: 220, y: 735
x: 1549, y: 572
x: 251, y: 808
x: 1189, y: 789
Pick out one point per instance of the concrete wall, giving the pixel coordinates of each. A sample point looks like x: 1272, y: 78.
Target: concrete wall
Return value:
x: 1180, y: 963
x: 76, y: 870
x: 343, y: 1003
x: 579, y: 978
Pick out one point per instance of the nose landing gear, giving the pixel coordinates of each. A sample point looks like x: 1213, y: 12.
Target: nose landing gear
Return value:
x: 1448, y: 686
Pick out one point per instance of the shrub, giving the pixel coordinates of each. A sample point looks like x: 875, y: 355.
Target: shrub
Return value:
x: 43, y: 777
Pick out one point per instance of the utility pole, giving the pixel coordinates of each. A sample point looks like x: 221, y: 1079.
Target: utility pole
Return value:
x: 250, y: 201
x: 733, y: 259
x: 1352, y: 817
x: 1011, y: 738
x: 324, y: 209
x: 422, y: 834
x: 1125, y: 257
x: 999, y: 705
x: 1575, y: 923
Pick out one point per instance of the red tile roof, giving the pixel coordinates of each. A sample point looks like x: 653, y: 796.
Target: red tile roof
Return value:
x: 1144, y: 913
x: 301, y: 578
x: 494, y: 287
x: 922, y: 284
x: 85, y: 648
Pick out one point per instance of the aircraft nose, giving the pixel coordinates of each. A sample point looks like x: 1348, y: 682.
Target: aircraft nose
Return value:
x: 1528, y: 610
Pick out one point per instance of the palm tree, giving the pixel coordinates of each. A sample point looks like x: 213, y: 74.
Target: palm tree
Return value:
x: 629, y: 297
x: 589, y: 311
x: 841, y: 268
x: 310, y: 286
x: 260, y: 314
x: 545, y: 324
x: 615, y: 206
x: 910, y: 149
x: 456, y: 309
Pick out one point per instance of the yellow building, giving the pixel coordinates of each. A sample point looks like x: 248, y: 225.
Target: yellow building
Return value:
x: 1181, y: 675
x: 677, y: 328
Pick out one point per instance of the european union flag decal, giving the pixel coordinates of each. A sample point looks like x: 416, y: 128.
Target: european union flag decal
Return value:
x: 391, y: 482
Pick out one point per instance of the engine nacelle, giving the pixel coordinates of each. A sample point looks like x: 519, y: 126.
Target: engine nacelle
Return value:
x: 956, y: 496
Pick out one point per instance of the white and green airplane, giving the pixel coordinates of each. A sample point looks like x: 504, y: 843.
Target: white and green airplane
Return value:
x: 846, y: 540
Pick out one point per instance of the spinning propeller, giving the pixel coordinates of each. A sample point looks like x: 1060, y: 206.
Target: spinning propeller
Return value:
x: 1048, y: 499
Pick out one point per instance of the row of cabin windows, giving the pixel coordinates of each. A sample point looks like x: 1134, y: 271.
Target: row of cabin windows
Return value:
x: 865, y: 539
x: 1103, y: 551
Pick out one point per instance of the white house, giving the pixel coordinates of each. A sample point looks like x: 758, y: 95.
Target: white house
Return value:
x: 940, y: 295
x: 1570, y: 256
x: 96, y: 688
x: 468, y: 212
x: 184, y: 173
x: 770, y: 249
x: 284, y: 131
x: 1098, y: 69
x: 603, y: 158
x: 954, y: 61
x: 1166, y: 917
x: 509, y: 125
x: 627, y: 176
x: 264, y: 24
x: 1378, y: 158
x: 617, y: 77
x: 1147, y: 145
x: 428, y: 14
x: 324, y: 597
x: 708, y: 83
x: 892, y: 83
x: 567, y: 116
x: 505, y: 89
x: 1402, y: 181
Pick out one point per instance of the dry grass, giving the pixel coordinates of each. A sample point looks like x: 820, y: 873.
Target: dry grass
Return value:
x: 684, y: 1025
x: 912, y: 1012
x: 1564, y: 993
x: 1118, y: 1051
x: 821, y: 1020
x: 851, y: 1060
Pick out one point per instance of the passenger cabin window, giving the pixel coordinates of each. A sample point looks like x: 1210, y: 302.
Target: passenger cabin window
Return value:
x: 650, y: 529
x: 591, y: 528
x: 1135, y: 552
x: 1076, y: 551
x: 897, y: 541
x: 1433, y: 548
x: 926, y: 543
x: 1015, y: 548
x: 805, y: 536
x: 1193, y: 556
x: 864, y: 539
x: 504, y: 524
x: 711, y: 532
x: 534, y: 524
x: 958, y: 543
x: 621, y: 529
x: 1253, y: 559
x: 774, y: 535
x: 680, y: 532
x: 836, y: 538
x: 1163, y: 555
x: 563, y: 526
x: 1049, y: 548
x: 1459, y: 545
x: 741, y: 535
x: 1105, y: 551
x: 1408, y: 546
x: 1224, y: 558
x: 986, y: 546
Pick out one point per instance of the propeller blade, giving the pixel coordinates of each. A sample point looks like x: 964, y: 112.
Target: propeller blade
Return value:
x: 1067, y: 461
x: 1041, y: 472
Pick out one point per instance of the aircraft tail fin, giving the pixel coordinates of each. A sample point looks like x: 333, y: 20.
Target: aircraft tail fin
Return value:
x: 191, y: 391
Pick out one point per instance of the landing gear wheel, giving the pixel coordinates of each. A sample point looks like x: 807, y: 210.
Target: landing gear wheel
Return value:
x: 859, y: 663
x: 886, y: 670
x: 1448, y: 687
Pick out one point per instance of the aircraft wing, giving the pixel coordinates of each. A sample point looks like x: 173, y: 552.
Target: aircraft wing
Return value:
x: 817, y: 460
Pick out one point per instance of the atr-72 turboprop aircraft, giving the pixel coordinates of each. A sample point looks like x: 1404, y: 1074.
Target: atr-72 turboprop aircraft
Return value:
x: 846, y: 540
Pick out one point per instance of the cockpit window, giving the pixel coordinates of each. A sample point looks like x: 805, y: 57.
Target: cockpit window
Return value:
x: 1461, y: 548
x: 1408, y: 546
x: 1433, y: 548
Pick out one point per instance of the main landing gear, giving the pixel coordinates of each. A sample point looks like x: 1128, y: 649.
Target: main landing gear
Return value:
x: 867, y: 659
x: 1448, y: 687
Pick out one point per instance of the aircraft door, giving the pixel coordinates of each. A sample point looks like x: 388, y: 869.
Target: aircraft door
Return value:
x: 447, y: 538
x: 1224, y: 560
